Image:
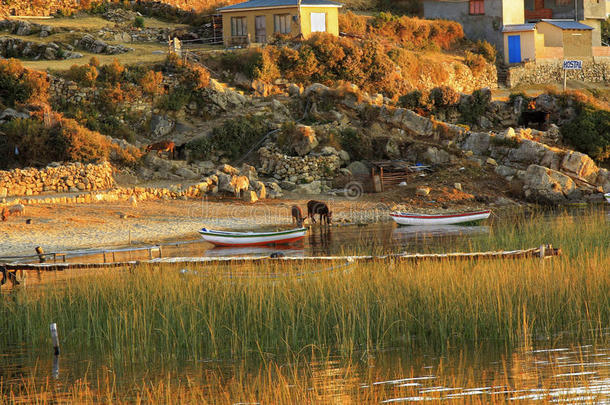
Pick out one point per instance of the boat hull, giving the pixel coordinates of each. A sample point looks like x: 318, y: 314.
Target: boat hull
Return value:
x: 221, y: 238
x: 607, y: 195
x: 450, y: 219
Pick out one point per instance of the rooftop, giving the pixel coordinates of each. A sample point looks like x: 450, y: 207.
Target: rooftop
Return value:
x: 519, y: 27
x: 280, y: 3
x: 568, y: 24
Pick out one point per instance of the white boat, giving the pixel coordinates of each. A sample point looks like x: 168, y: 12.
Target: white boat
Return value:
x: 404, y: 218
x: 227, y: 238
x: 607, y: 195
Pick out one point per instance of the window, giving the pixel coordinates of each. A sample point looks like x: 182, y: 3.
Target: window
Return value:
x: 318, y: 22
x: 477, y: 7
x: 238, y: 27
x: 282, y: 23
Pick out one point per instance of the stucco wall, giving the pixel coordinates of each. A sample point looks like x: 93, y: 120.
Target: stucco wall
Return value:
x: 596, y: 34
x: 553, y: 36
x: 528, y: 45
x: 513, y: 12
x: 332, y: 21
x: 487, y: 27
x: 577, y: 44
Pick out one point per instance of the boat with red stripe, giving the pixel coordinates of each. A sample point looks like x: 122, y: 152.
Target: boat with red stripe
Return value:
x: 228, y: 238
x: 407, y: 218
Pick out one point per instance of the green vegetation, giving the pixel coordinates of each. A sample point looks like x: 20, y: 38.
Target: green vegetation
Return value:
x: 139, y: 22
x: 474, y: 108
x: 233, y: 139
x: 221, y: 312
x: 606, y: 31
x: 19, y: 86
x: 589, y: 132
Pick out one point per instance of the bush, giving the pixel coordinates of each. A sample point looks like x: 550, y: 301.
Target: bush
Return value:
x: 412, y: 100
x: 487, y: 50
x: 85, y: 75
x: 444, y: 97
x: 112, y: 73
x: 471, y: 110
x: 138, y: 22
x: 476, y: 63
x: 606, y: 31
x: 589, y: 132
x: 200, y: 148
x: 175, y: 100
x: 358, y: 145
x: 353, y: 24
x: 235, y: 137
x: 20, y: 86
x: 152, y: 83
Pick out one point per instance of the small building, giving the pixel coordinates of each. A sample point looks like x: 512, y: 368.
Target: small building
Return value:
x: 257, y: 21
x: 575, y: 38
x: 481, y: 19
x: 519, y: 43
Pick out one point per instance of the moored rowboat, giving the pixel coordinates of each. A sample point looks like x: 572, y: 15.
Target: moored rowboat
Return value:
x: 226, y: 238
x: 607, y: 195
x: 403, y: 218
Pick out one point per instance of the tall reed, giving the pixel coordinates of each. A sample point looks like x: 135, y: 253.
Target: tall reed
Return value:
x: 156, y: 312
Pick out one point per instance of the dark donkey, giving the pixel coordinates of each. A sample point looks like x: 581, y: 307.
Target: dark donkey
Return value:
x: 317, y: 207
x: 297, y: 215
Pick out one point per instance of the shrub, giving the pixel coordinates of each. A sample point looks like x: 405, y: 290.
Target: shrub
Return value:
x: 412, y: 100
x: 81, y: 144
x: 200, y: 148
x: 138, y: 22
x: 471, y: 110
x: 589, y: 132
x: 358, y: 145
x: 487, y: 50
x: 353, y: 24
x: 152, y: 83
x: 444, y: 96
x: 19, y: 85
x: 85, y: 75
x: 235, y: 137
x: 606, y: 31
x: 112, y: 73
x: 175, y: 100
x: 475, y: 62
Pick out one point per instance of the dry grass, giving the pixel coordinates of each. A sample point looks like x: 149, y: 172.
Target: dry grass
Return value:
x: 87, y: 23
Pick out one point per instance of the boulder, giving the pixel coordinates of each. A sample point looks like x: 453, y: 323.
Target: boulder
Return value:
x: 548, y: 186
x: 224, y: 183
x: 294, y: 90
x: 315, y: 187
x: 579, y: 164
x: 9, y: 114
x: 358, y: 169
x: 528, y: 152
x: 249, y: 197
x: 160, y: 125
x: 316, y: 89
x: 306, y: 140
x: 287, y: 185
x: 344, y: 156
x: 186, y: 173
x: 228, y: 169
x: 436, y: 156
x: 477, y: 142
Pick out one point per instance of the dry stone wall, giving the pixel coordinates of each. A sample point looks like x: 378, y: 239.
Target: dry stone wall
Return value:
x: 60, y: 179
x: 535, y: 73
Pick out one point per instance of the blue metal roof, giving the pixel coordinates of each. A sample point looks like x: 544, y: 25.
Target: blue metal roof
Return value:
x: 279, y: 3
x: 519, y: 27
x: 568, y: 24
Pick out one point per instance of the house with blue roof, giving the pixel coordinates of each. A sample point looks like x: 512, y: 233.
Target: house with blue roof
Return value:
x: 257, y: 21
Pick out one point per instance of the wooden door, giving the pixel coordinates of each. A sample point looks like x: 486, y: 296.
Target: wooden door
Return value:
x: 261, y: 29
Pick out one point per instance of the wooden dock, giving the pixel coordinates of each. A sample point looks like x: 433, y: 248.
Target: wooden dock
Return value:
x: 542, y: 252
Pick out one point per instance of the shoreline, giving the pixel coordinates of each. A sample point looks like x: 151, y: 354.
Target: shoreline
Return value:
x: 66, y: 227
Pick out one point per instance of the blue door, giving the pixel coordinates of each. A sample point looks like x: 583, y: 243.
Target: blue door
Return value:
x: 514, y: 49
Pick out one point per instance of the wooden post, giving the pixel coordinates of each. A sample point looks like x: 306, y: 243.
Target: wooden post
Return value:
x: 160, y: 252
x: 104, y: 253
x: 40, y: 253
x: 149, y: 253
x: 381, y: 177
x: 113, y: 257
x: 55, y: 339
x: 565, y: 79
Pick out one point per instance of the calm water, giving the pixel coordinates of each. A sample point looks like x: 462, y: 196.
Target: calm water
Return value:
x: 559, y: 371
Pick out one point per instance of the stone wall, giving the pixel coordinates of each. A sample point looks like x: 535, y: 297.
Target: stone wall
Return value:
x: 536, y: 73
x: 298, y: 169
x: 59, y: 179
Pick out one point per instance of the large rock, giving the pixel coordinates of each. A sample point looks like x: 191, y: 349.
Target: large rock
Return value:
x: 436, y: 156
x: 477, y: 142
x: 306, y: 140
x: 315, y: 187
x: 160, y: 125
x: 548, y: 186
x: 358, y: 169
x: 224, y: 183
x: 528, y: 152
x: 579, y: 164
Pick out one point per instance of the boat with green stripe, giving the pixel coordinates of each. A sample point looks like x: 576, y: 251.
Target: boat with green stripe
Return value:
x: 229, y: 238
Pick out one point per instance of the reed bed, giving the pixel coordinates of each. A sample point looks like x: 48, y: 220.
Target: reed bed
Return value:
x: 216, y: 312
